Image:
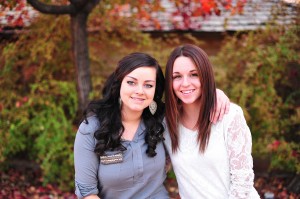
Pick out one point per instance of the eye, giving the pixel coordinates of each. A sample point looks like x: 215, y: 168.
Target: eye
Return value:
x: 132, y: 83
x: 148, y: 85
x: 194, y: 75
x: 176, y: 76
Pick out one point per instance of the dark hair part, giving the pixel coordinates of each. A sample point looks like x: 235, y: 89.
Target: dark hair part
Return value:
x: 108, y: 111
x: 208, y: 96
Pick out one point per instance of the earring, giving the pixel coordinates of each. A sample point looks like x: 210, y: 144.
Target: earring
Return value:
x: 153, y: 107
x: 120, y: 102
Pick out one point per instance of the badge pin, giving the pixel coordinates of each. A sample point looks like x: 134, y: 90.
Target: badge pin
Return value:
x: 111, y: 159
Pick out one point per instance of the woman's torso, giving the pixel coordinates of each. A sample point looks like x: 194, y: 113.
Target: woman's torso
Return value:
x: 200, y: 175
x: 209, y: 175
x: 137, y: 176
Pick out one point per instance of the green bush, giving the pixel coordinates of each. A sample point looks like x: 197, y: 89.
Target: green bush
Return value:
x: 39, y: 100
x: 260, y: 71
x: 38, y: 110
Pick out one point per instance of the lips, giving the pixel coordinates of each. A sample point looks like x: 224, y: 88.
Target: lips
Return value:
x: 137, y: 99
x: 186, y: 92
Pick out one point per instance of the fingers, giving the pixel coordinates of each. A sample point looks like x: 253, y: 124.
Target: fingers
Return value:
x: 223, y: 105
x: 222, y: 111
x: 224, y: 102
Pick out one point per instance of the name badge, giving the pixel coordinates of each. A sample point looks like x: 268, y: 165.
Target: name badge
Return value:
x: 111, y: 159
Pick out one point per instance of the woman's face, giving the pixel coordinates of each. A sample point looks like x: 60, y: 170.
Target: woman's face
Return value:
x: 137, y: 89
x: 186, y: 82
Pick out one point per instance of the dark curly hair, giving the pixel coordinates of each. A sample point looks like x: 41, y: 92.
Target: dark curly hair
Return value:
x: 108, y: 111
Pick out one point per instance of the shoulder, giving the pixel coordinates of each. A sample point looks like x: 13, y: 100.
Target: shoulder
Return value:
x: 164, y: 123
x: 90, y: 126
x: 234, y: 111
x: 167, y: 138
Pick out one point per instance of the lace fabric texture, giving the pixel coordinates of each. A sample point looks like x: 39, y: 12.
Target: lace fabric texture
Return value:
x: 225, y: 170
x: 239, y: 146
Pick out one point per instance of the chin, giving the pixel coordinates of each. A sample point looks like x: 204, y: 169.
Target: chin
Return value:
x: 191, y: 101
x: 137, y: 109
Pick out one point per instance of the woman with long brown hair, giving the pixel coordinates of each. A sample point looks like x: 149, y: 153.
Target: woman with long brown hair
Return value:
x: 209, y: 160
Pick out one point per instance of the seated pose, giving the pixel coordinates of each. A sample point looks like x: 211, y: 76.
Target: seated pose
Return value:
x: 118, y: 150
x: 210, y: 161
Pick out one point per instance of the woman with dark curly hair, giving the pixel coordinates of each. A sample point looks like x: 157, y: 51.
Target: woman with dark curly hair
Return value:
x: 125, y: 130
x: 118, y: 151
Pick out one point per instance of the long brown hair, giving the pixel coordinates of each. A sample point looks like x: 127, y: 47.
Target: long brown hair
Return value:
x: 208, y: 96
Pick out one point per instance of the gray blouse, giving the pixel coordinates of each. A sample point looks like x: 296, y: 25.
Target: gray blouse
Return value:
x: 138, y: 176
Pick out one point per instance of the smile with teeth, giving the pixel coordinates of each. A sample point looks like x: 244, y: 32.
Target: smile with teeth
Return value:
x: 185, y: 92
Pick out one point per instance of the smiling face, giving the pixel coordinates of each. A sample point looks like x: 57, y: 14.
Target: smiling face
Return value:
x: 137, y: 89
x: 186, y: 82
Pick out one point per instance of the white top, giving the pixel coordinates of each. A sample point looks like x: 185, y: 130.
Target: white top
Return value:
x: 225, y: 170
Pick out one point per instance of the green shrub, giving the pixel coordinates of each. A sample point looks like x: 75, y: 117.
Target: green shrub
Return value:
x: 38, y: 110
x: 39, y: 128
x: 260, y: 71
x: 39, y: 100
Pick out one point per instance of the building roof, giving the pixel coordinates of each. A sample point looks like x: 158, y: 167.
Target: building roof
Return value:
x: 255, y: 14
x: 16, y: 17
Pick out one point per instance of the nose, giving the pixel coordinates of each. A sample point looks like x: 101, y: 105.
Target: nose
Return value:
x: 139, y: 89
x: 185, y: 81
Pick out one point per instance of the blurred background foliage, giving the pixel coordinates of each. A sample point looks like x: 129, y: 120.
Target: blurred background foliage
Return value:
x: 39, y: 99
x: 38, y: 89
x: 259, y: 70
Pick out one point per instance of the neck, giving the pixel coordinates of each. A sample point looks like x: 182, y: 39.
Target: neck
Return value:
x: 190, y: 114
x: 130, y: 121
x: 131, y: 117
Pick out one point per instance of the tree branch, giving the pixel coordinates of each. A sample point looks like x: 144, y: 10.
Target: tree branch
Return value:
x: 52, y: 9
x: 78, y: 3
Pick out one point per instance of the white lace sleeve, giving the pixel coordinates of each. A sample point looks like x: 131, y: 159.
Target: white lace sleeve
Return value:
x: 239, y: 143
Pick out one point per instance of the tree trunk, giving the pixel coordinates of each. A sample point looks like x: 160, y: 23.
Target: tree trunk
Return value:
x: 81, y: 58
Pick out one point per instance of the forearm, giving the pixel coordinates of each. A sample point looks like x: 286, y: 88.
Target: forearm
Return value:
x: 86, y: 163
x: 240, y: 159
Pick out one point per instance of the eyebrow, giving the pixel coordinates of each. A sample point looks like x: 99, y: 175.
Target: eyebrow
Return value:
x: 137, y: 79
x: 191, y: 71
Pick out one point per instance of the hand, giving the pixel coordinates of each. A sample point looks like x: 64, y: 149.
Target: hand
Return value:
x: 222, y: 108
